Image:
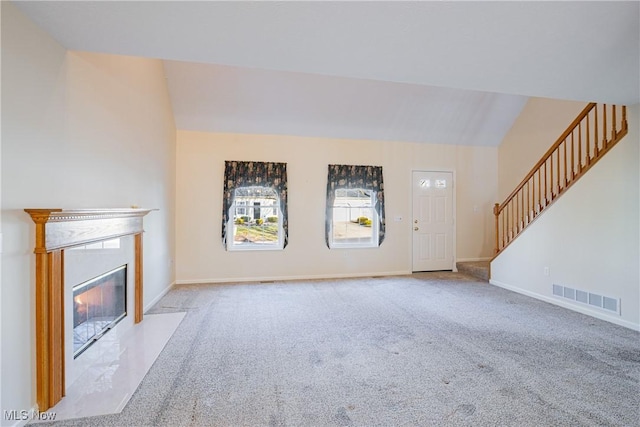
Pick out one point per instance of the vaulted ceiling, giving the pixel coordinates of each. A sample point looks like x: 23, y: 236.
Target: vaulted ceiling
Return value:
x: 440, y: 72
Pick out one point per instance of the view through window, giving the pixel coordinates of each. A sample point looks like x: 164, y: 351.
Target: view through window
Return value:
x: 354, y: 221
x: 255, y: 219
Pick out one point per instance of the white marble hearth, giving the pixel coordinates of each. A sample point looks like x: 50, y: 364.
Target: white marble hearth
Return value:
x: 115, y: 367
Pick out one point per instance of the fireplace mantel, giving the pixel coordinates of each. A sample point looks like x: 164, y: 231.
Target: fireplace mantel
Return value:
x: 57, y: 230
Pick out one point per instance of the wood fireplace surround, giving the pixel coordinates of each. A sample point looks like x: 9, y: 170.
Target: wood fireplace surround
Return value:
x: 57, y: 230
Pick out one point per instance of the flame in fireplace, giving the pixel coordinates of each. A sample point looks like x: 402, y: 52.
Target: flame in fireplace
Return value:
x: 80, y: 307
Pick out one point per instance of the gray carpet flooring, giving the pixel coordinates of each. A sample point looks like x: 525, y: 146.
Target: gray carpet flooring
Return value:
x: 429, y: 349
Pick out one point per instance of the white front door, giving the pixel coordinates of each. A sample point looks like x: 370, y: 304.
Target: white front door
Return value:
x: 432, y: 221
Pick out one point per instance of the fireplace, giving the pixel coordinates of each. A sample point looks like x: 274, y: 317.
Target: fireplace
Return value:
x: 59, y: 267
x: 98, y: 305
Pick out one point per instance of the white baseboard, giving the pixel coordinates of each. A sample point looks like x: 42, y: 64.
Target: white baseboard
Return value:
x: 159, y: 297
x: 569, y: 306
x: 473, y: 259
x: 289, y: 278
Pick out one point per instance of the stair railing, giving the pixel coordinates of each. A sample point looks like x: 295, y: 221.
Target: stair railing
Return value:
x: 589, y: 137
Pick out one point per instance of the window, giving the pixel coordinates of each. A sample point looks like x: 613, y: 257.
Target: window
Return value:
x: 255, y: 220
x: 240, y: 210
x: 254, y: 206
x: 355, y: 207
x: 354, y: 221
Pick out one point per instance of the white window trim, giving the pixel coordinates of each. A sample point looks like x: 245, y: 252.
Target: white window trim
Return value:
x: 375, y: 230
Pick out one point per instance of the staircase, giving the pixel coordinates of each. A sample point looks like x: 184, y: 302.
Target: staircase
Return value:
x: 587, y: 139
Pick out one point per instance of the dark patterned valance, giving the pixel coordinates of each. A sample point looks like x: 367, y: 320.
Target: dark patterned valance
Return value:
x: 352, y: 177
x: 254, y: 174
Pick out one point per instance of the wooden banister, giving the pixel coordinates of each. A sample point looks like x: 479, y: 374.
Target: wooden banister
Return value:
x: 550, y: 177
x: 546, y: 155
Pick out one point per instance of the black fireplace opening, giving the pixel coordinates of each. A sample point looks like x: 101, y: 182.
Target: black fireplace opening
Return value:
x: 98, y: 305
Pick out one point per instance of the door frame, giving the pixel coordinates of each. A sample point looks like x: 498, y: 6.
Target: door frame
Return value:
x: 454, y: 267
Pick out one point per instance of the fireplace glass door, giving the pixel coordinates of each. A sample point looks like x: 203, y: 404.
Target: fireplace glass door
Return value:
x: 98, y: 304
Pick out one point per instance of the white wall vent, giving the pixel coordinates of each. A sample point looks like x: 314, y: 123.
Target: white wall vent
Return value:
x: 588, y: 298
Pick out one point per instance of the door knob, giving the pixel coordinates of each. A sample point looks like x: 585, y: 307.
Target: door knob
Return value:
x: 415, y: 228
x: 415, y: 221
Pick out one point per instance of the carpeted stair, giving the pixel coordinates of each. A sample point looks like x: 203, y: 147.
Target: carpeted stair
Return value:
x: 477, y: 269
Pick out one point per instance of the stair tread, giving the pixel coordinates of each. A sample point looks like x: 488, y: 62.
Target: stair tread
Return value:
x: 478, y: 269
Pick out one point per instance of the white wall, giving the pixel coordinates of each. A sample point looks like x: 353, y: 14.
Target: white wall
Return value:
x: 79, y: 130
x: 589, y: 238
x: 538, y: 126
x: 200, y: 169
